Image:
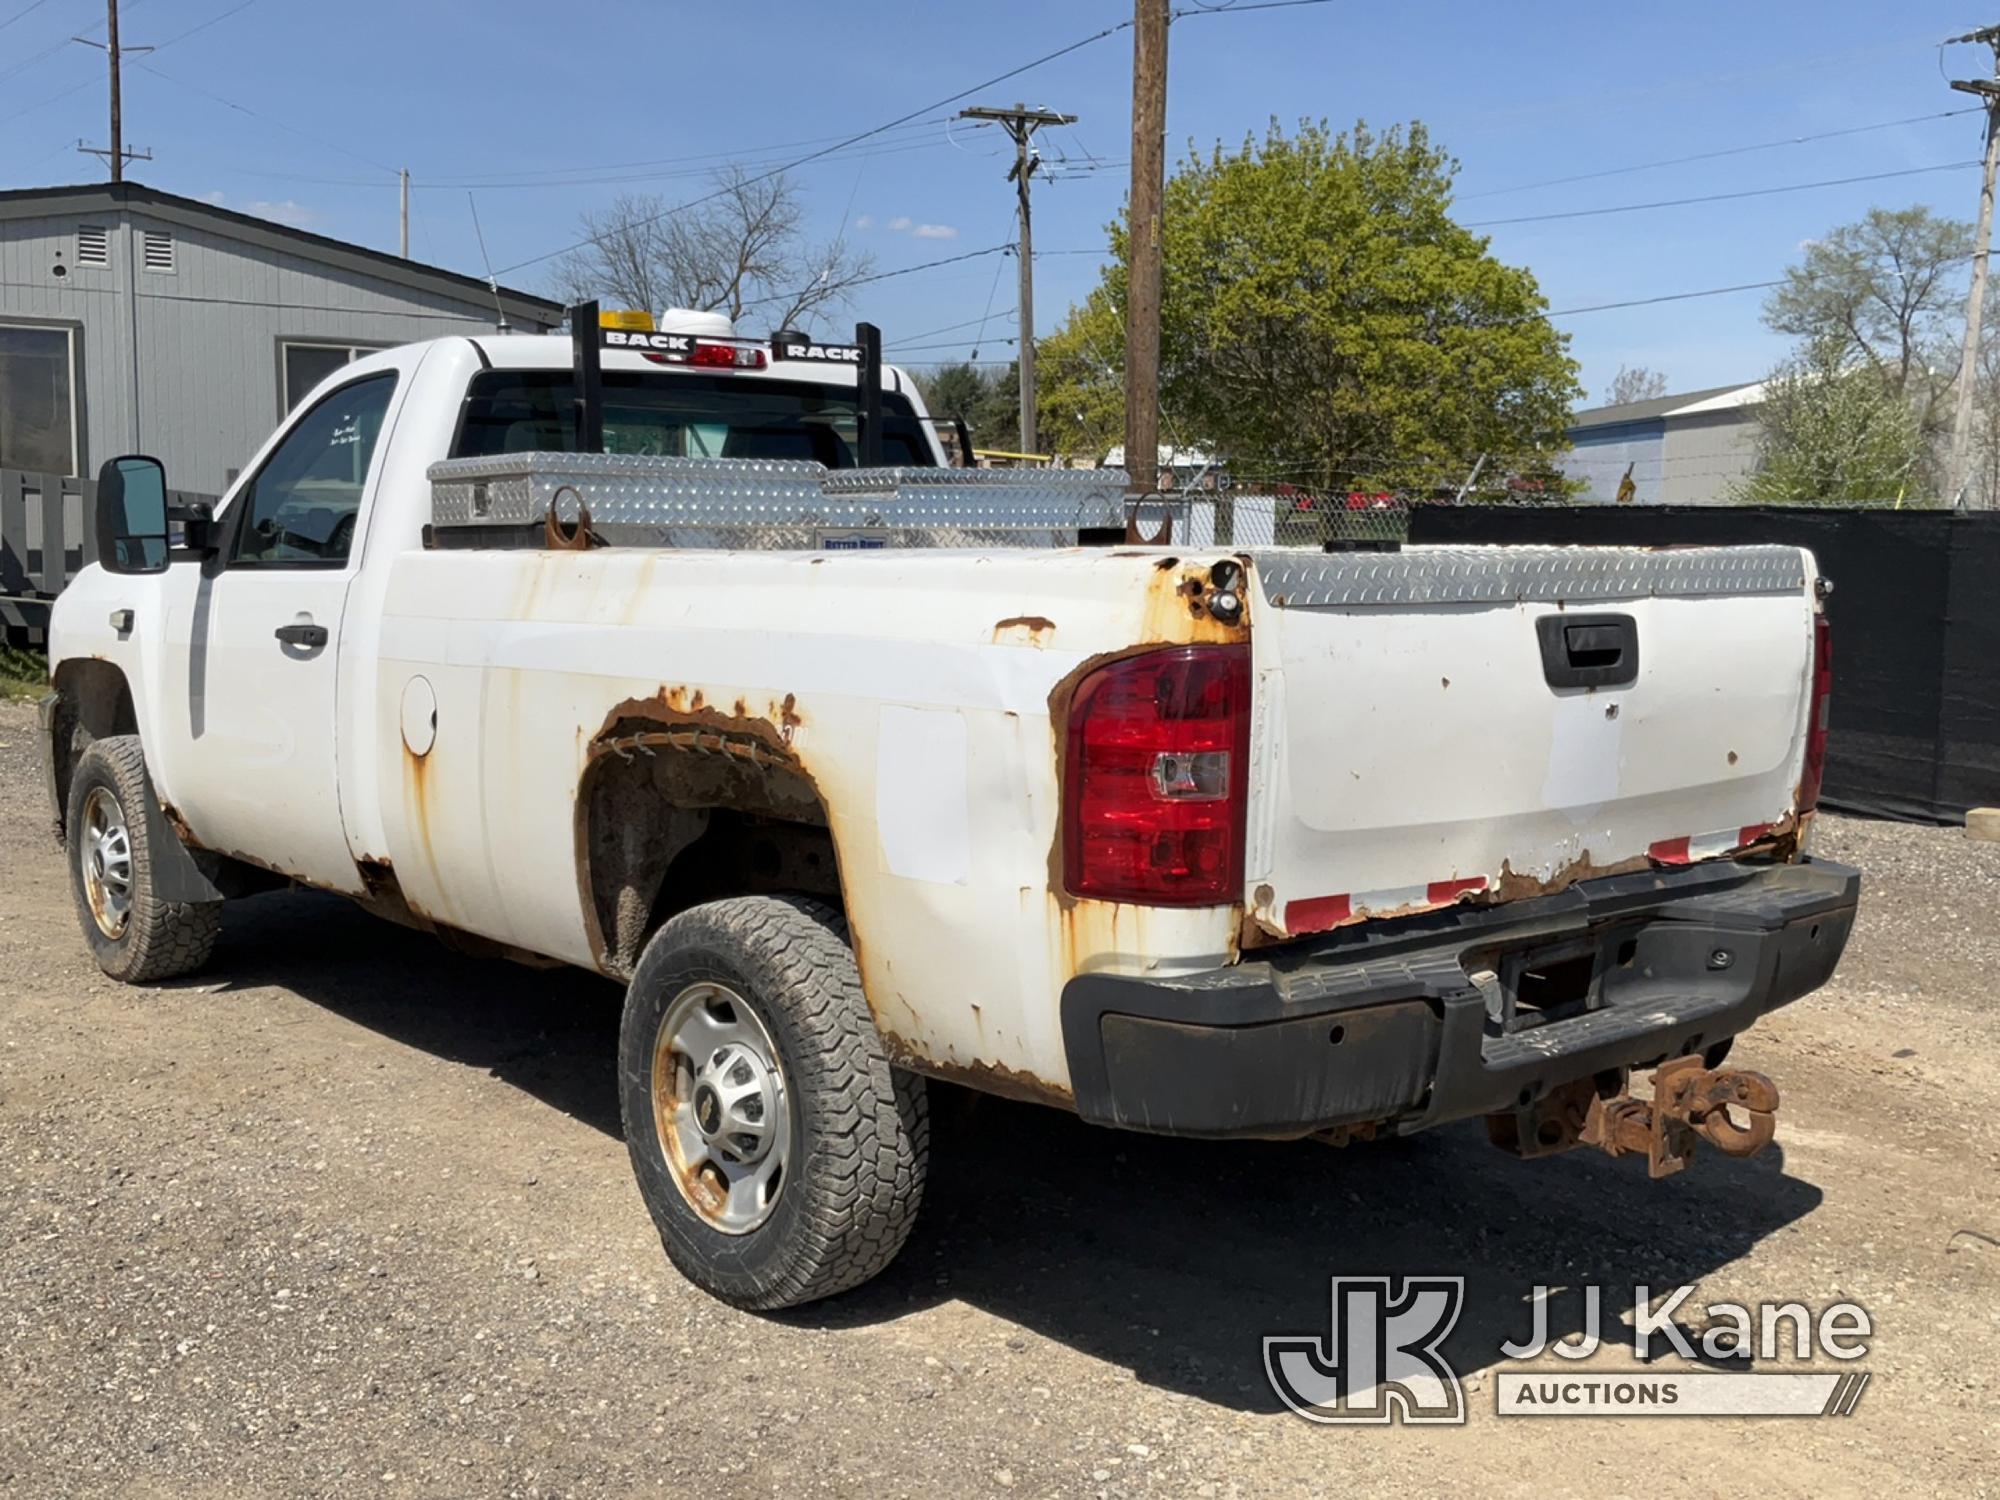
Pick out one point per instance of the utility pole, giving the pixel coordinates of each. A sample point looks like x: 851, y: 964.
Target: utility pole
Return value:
x: 117, y: 155
x: 117, y: 95
x: 1987, y: 90
x: 403, y: 178
x: 1021, y: 123
x: 1142, y: 291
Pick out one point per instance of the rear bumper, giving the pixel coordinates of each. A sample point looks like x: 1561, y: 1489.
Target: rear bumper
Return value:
x: 1415, y: 1022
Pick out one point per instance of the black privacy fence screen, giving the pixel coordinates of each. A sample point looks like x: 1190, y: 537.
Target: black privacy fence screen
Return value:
x: 1915, y: 612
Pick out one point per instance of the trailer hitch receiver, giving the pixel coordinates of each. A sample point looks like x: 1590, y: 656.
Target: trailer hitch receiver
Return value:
x: 1689, y: 1102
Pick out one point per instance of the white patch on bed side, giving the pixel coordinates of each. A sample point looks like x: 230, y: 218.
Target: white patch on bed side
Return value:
x: 922, y: 808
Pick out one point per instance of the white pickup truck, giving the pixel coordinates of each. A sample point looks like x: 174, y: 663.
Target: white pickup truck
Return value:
x: 614, y: 653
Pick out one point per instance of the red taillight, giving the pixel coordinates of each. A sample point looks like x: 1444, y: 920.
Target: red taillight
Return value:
x: 727, y: 357
x: 1154, y: 778
x: 1816, y: 715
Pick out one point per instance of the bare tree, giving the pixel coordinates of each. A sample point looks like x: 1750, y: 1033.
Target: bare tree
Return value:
x: 1635, y: 383
x: 742, y: 251
x: 1889, y: 288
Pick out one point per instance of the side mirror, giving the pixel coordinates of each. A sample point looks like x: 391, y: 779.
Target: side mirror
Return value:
x: 132, y: 515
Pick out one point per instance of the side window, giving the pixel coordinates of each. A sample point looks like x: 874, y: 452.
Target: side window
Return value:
x: 304, y: 365
x: 300, y: 508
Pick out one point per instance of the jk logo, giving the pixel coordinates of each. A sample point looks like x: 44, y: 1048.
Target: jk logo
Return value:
x: 1380, y: 1357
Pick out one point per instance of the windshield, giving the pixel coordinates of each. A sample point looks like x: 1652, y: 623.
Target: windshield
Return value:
x: 683, y: 415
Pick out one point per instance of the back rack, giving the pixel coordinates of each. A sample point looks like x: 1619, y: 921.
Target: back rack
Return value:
x: 593, y: 498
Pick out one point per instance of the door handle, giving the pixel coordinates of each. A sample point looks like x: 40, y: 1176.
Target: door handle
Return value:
x: 311, y: 637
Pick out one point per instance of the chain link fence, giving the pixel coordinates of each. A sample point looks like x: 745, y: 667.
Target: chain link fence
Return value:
x: 1295, y: 518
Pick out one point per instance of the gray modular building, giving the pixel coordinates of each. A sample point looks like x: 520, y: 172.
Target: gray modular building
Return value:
x: 1690, y: 449
x: 133, y: 320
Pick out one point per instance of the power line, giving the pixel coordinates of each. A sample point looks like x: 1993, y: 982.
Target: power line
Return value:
x: 67, y: 144
x: 953, y: 344
x: 1714, y: 291
x: 203, y: 26
x: 992, y: 291
x: 244, y: 109
x: 557, y: 184
x: 51, y: 50
x: 756, y: 157
x: 28, y: 62
x: 302, y: 307
x: 476, y: 178
x: 1624, y: 96
x: 950, y: 328
x: 1679, y: 161
x: 855, y: 139
x: 859, y: 280
x: 26, y: 10
x: 1239, y: 10
x: 55, y: 98
x: 895, y: 148
x: 1793, y: 187
x: 129, y: 7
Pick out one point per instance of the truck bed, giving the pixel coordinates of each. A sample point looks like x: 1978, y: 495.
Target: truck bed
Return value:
x: 1405, y: 750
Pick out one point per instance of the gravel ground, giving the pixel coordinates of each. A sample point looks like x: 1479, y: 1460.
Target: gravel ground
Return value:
x: 350, y: 1215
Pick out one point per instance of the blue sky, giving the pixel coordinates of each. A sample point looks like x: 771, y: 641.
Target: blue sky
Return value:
x: 301, y: 111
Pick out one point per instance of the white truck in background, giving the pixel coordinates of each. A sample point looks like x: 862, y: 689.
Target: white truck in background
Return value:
x: 613, y: 651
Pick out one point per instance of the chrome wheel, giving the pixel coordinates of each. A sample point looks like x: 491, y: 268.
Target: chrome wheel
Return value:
x: 720, y: 1108
x: 105, y: 852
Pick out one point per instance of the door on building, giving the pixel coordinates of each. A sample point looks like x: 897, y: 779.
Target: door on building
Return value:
x: 254, y: 644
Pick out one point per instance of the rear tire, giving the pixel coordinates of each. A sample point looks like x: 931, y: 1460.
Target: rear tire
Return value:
x: 134, y: 934
x: 781, y: 1156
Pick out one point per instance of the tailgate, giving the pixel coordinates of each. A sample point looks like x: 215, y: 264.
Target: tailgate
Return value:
x: 1443, y: 724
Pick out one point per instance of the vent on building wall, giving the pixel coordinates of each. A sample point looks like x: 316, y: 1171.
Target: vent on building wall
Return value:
x: 93, y: 245
x: 158, y: 248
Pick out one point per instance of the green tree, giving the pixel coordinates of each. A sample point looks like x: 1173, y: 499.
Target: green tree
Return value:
x: 1324, y: 320
x: 996, y: 421
x: 1888, y: 292
x: 987, y: 398
x: 1835, y: 430
x: 951, y: 390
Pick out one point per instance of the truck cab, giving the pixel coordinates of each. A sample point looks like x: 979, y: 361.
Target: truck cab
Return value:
x: 246, y: 662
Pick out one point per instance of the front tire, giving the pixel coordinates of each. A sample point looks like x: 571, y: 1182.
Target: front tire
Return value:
x: 135, y: 934
x: 780, y: 1155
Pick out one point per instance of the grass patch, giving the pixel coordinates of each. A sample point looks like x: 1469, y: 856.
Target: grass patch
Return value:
x: 23, y: 673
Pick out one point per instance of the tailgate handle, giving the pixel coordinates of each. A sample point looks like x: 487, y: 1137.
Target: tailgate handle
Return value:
x: 1589, y: 650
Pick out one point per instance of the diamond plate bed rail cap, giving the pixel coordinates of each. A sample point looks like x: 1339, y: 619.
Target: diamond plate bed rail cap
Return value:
x: 626, y: 466
x: 1506, y: 575
x: 1001, y: 483
x: 623, y: 490
x: 767, y: 501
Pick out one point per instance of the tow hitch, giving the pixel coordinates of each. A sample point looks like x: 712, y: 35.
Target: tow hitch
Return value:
x: 1690, y: 1103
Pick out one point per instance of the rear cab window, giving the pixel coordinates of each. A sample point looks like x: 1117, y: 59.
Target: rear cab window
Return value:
x: 684, y: 415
